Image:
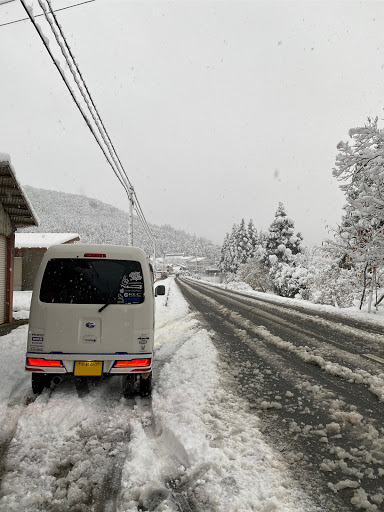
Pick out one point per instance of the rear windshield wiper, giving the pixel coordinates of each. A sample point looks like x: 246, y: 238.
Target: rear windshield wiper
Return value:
x: 105, y: 305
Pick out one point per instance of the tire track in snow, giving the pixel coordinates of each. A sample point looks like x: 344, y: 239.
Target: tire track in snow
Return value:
x: 358, y: 335
x: 313, y: 352
x: 340, y: 319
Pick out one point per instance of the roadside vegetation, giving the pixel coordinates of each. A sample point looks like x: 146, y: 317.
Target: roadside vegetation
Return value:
x: 343, y: 271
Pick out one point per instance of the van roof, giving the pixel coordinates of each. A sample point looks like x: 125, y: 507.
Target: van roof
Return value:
x: 110, y: 251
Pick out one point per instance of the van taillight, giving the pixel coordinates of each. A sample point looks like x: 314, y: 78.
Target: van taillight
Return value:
x: 91, y: 255
x: 132, y: 362
x: 37, y: 361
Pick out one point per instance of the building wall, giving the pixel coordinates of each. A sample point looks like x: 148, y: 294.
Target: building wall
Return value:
x: 18, y: 272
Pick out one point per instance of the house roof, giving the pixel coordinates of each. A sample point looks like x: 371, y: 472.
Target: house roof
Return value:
x: 43, y: 240
x: 13, y: 198
x: 197, y: 259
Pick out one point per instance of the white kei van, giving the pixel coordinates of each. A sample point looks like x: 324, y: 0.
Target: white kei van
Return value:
x: 92, y: 315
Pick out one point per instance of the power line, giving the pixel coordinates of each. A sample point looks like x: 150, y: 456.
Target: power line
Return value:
x: 70, y: 60
x: 82, y: 87
x: 114, y: 152
x: 67, y: 84
x: 84, y: 91
x: 37, y: 15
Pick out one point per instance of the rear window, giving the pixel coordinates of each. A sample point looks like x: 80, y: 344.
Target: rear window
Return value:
x: 92, y: 281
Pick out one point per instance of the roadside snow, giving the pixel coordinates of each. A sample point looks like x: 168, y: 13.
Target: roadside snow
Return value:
x: 375, y: 317
x: 21, y: 304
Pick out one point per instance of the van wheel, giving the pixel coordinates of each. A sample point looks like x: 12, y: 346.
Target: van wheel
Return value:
x: 145, y: 386
x: 39, y: 382
x: 129, y: 382
x: 81, y: 384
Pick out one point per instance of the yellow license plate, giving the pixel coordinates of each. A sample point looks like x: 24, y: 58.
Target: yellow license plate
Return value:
x: 90, y: 368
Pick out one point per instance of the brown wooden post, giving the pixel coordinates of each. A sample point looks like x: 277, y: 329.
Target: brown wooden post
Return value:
x: 10, y: 278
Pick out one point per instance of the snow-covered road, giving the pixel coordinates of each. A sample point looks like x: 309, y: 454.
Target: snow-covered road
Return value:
x: 317, y: 391
x: 194, y: 446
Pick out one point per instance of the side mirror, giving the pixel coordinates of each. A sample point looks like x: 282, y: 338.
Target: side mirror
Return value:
x: 159, y: 290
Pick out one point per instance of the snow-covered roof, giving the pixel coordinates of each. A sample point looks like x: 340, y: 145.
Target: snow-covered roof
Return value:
x: 4, y: 157
x: 13, y: 198
x: 43, y: 240
x: 197, y: 259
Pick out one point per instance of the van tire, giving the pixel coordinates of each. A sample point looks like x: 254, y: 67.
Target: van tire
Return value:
x: 145, y: 386
x: 129, y: 382
x: 40, y: 382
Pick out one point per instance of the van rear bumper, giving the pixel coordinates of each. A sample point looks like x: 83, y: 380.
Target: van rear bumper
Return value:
x: 59, y: 363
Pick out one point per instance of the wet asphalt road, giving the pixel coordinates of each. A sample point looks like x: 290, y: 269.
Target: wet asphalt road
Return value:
x: 308, y: 376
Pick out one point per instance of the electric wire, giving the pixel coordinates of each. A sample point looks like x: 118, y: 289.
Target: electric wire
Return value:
x: 140, y: 212
x: 37, y: 15
x: 70, y: 90
x: 71, y: 61
x: 79, y: 84
x: 119, y: 172
x: 144, y: 223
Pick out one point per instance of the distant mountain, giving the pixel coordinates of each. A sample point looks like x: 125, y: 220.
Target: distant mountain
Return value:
x: 97, y: 222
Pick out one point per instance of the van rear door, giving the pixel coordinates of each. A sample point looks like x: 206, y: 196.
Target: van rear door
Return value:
x: 92, y: 305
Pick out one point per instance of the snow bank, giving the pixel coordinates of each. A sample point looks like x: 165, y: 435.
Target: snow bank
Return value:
x: 21, y: 304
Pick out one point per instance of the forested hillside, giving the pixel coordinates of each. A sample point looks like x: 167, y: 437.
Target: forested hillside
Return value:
x: 97, y: 222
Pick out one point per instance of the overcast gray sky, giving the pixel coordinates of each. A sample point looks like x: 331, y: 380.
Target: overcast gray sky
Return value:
x: 218, y: 110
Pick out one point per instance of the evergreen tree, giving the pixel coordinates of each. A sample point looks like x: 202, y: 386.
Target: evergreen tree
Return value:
x: 238, y: 247
x: 253, y: 240
x: 281, y: 242
x: 241, y: 245
x: 224, y: 257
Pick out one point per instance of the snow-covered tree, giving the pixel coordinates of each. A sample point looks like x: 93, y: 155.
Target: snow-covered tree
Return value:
x: 238, y: 246
x: 282, y: 246
x: 242, y: 246
x: 328, y: 282
x: 282, y: 243
x: 360, y: 168
x: 289, y: 280
x: 225, y: 254
x: 253, y: 240
x: 254, y: 273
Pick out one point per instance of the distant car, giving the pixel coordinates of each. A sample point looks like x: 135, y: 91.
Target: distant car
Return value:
x: 92, y: 315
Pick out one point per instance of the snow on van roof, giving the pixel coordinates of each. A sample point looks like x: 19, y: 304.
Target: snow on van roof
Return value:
x: 42, y: 240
